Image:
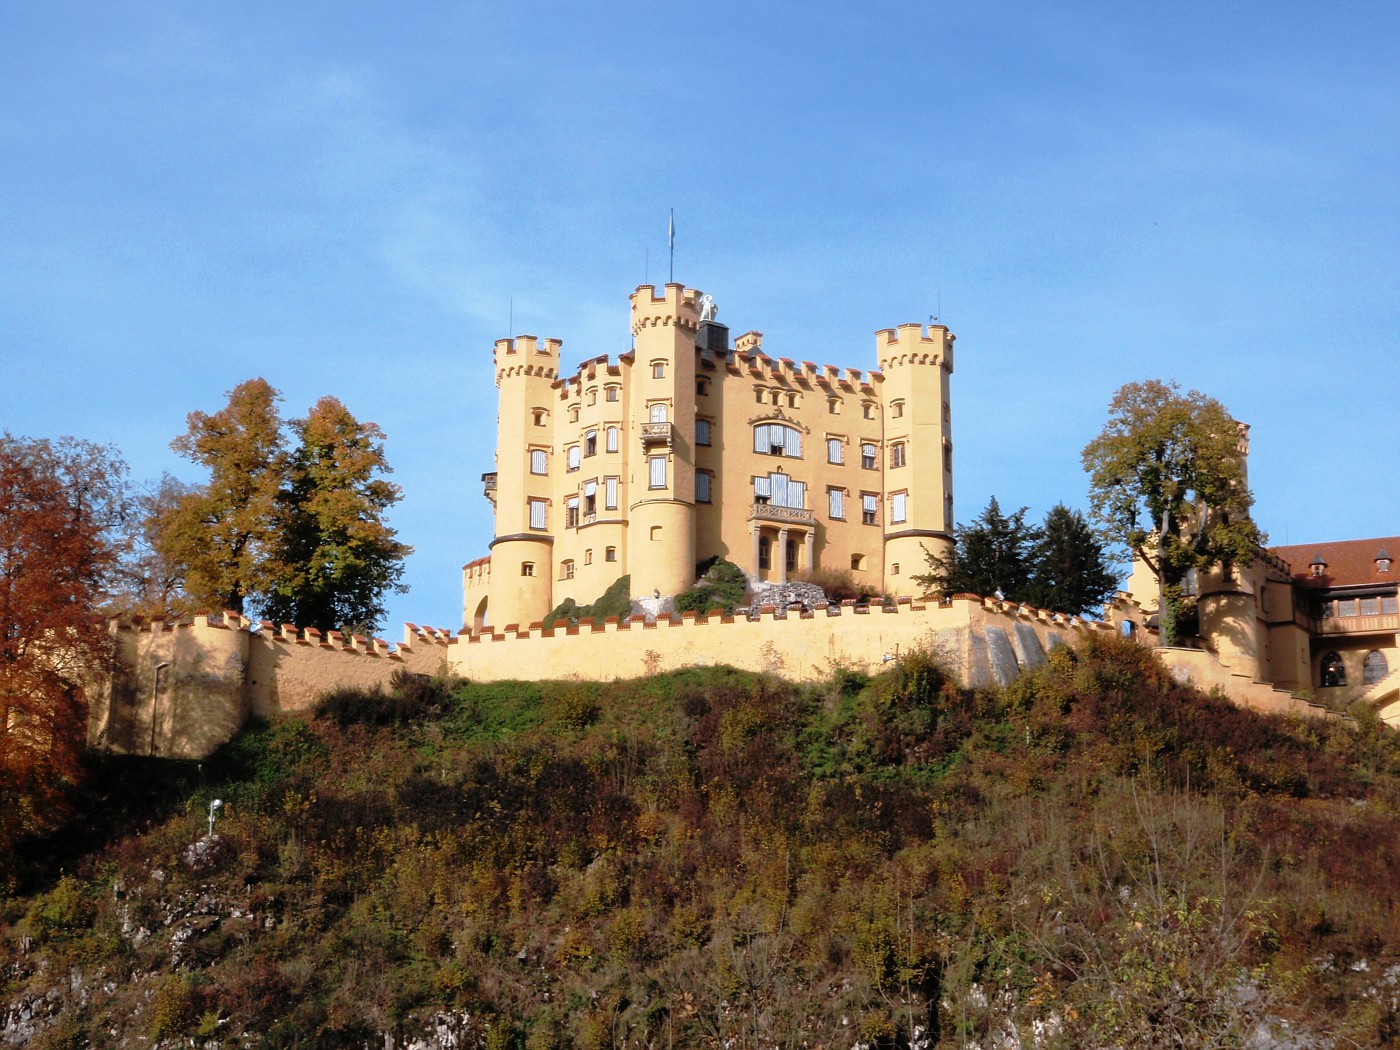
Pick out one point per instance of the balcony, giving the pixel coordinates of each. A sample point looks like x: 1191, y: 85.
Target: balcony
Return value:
x: 1381, y: 623
x: 488, y: 484
x: 657, y: 434
x: 780, y: 515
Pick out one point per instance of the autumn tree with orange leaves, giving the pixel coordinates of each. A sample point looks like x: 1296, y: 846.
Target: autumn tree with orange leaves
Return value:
x: 62, y: 504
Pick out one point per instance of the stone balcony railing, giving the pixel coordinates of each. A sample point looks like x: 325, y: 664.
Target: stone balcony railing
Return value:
x: 781, y: 515
x: 657, y: 434
x: 1377, y: 624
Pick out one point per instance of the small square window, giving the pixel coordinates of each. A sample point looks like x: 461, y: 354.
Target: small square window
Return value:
x: 527, y: 568
x: 658, y: 370
x: 610, y: 554
x: 612, y: 393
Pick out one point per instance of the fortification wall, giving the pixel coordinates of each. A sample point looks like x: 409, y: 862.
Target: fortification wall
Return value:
x: 987, y: 642
x: 288, y: 669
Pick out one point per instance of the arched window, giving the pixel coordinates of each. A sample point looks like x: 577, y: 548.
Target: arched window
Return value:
x: 590, y: 443
x: 539, y: 461
x: 776, y: 439
x: 1333, y: 671
x: 566, y: 569
x: 658, y: 413
x: 574, y: 459
x: 897, y: 454
x: 612, y: 439
x: 1374, y: 668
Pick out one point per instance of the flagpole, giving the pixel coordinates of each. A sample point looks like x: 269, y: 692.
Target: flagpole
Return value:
x: 672, y: 278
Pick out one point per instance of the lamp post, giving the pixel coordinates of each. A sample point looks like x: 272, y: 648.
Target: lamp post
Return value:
x: 214, y: 807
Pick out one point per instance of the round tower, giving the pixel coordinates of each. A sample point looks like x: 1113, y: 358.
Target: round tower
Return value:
x: 661, y: 409
x: 526, y: 514
x: 918, y: 475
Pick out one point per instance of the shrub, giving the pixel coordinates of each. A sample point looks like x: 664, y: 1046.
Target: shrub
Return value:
x: 723, y: 586
x: 615, y: 601
x: 839, y: 585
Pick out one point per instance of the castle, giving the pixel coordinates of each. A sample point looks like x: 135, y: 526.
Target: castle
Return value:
x: 687, y: 448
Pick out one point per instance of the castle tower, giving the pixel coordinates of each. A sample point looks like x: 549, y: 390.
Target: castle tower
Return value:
x: 522, y: 551
x: 918, y: 468
x: 1227, y: 606
x: 661, y: 518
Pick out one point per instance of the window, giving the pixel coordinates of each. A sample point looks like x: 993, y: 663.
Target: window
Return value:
x: 836, y: 504
x: 590, y: 501
x: 657, y: 472
x: 779, y: 490
x: 894, y: 569
x: 527, y: 568
x: 571, y: 512
x: 537, y: 513
x: 790, y: 556
x: 759, y: 394
x: 765, y: 552
x: 947, y: 457
x: 1374, y: 667
x: 867, y: 456
x: 573, y: 413
x: 1333, y: 672
x: 775, y: 439
x: 858, y: 562
x: 777, y: 398
x: 1383, y: 563
x: 702, y: 387
x: 1346, y: 607
x: 566, y: 569
x: 610, y: 554
x: 612, y: 393
x: 538, y: 414
x: 588, y: 556
x: 539, y: 461
x: 869, y: 508
x: 897, y: 454
x: 1387, y: 604
x: 702, y: 487
x: 833, y: 450
x: 1370, y: 606
x: 593, y: 395
x: 658, y: 413
x: 610, y: 493
x: 899, y: 507
x: 792, y: 400
x: 833, y: 406
x: 574, y: 458
x: 867, y: 409
x: 702, y: 431
x: 658, y: 370
x: 612, y: 439
x: 897, y: 409
x: 947, y: 414
x: 590, y: 443
x: 948, y: 512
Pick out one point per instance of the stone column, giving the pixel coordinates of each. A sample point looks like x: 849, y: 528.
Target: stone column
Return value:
x: 811, y: 543
x: 757, y: 568
x: 782, y: 553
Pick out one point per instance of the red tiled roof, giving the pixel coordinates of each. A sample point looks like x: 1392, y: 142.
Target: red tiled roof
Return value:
x: 1349, y: 562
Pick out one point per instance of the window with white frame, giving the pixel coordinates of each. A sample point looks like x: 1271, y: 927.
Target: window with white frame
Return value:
x: 836, y: 504
x: 538, y: 518
x: 575, y: 457
x: 610, y: 493
x: 867, y: 455
x: 779, y: 490
x: 566, y: 569
x: 899, y: 507
x: 869, y: 508
x: 590, y: 443
x: 656, y: 472
x: 658, y: 412
x: 897, y: 454
x: 777, y: 439
x: 571, y: 512
x: 834, y: 450
x: 539, y: 461
x: 590, y: 500
x: 612, y: 393
x: 658, y: 370
x: 612, y: 439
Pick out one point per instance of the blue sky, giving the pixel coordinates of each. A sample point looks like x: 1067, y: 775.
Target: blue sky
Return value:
x: 347, y: 198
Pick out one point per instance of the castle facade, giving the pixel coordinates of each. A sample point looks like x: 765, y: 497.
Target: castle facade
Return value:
x: 690, y: 446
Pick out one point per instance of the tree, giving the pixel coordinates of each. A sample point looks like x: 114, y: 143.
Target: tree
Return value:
x: 991, y: 555
x: 333, y: 555
x: 152, y: 584
x: 1071, y: 573
x: 62, y: 505
x: 1167, y: 479
x: 220, y: 534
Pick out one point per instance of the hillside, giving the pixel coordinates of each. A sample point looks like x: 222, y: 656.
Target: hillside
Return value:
x: 1094, y: 856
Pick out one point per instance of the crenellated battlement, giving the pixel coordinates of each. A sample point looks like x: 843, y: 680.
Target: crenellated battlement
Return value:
x: 914, y: 344
x: 676, y: 306
x: 526, y: 355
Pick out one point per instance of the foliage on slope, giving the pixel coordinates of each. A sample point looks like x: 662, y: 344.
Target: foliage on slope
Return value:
x: 1093, y: 856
